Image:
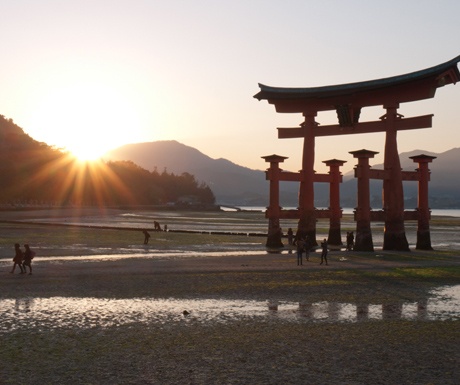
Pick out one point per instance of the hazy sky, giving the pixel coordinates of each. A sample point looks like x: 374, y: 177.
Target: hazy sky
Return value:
x: 94, y: 75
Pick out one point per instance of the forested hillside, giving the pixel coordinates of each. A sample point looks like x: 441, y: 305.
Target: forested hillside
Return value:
x: 237, y: 185
x: 31, y: 171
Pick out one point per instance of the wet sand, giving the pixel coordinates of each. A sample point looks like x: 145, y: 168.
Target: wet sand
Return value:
x: 248, y: 350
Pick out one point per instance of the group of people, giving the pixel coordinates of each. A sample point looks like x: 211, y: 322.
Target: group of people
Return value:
x: 22, y: 259
x: 157, y: 227
x: 304, y: 244
x: 350, y: 240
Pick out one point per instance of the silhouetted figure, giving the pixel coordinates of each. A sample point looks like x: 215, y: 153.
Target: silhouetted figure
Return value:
x: 146, y: 237
x: 307, y: 248
x: 28, y: 256
x: 18, y: 258
x: 290, y: 235
x: 324, y: 251
x: 156, y: 226
x: 299, y: 235
x: 350, y: 241
x: 166, y: 227
x: 300, y: 248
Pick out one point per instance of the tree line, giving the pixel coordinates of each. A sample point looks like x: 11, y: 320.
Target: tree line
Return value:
x: 34, y: 171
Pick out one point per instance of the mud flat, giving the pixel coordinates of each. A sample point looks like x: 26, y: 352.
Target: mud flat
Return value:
x: 113, y: 318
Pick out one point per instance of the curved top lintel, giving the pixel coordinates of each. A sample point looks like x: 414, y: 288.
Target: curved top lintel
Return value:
x: 277, y: 93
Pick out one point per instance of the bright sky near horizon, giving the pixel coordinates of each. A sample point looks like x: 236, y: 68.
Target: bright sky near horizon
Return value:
x: 94, y: 75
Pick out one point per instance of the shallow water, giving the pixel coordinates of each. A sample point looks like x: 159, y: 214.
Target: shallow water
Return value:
x: 158, y: 255
x: 62, y: 312
x: 442, y: 237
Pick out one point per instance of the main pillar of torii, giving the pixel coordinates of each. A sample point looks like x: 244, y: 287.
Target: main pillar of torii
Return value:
x: 348, y: 100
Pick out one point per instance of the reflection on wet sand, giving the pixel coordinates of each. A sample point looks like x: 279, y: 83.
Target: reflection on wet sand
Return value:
x: 362, y: 311
x: 24, y: 305
x: 337, y: 312
x: 432, y: 308
x: 63, y: 312
x: 422, y: 308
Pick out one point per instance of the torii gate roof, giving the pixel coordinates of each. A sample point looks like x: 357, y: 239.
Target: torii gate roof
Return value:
x: 409, y: 87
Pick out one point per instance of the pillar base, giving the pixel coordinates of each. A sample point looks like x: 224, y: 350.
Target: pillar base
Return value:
x: 274, y: 241
x: 307, y: 226
x: 363, y: 241
x: 274, y: 233
x: 395, y: 241
x: 423, y: 240
x: 334, y: 237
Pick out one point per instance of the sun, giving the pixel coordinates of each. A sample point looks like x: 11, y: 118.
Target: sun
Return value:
x: 86, y: 153
x: 86, y: 119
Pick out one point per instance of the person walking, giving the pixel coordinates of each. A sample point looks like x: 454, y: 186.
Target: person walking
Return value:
x: 350, y: 241
x: 324, y: 251
x: 27, y: 259
x: 18, y: 258
x: 146, y: 237
x: 290, y: 235
x: 300, y: 248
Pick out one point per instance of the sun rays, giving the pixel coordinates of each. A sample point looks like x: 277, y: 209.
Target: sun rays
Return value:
x: 79, y: 183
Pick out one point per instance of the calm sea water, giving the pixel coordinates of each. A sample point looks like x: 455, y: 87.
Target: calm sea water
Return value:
x: 349, y: 210
x: 253, y: 221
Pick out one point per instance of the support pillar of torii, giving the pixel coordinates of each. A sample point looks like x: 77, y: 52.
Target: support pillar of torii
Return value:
x: 363, y: 241
x: 274, y: 209
x: 423, y: 228
x: 307, y: 220
x: 335, y: 237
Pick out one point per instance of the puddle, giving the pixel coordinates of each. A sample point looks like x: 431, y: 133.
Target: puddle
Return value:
x: 148, y: 254
x: 62, y: 312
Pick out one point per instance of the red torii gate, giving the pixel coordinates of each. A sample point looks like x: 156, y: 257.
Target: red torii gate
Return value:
x: 348, y: 100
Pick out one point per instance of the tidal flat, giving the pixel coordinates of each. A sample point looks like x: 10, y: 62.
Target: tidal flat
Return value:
x: 101, y: 308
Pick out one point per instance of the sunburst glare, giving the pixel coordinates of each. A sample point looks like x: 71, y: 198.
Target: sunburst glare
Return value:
x: 86, y: 119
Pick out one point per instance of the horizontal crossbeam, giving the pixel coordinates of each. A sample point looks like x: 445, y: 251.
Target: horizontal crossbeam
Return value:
x: 380, y: 215
x: 295, y: 214
x: 424, y: 121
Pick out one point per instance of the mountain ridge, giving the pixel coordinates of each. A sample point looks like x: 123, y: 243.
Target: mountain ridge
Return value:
x: 240, y: 185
